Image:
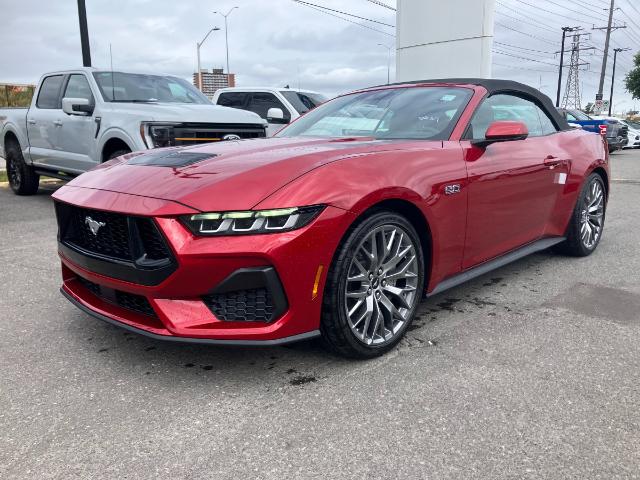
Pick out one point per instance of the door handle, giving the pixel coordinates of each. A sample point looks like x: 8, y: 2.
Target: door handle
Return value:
x: 31, y: 122
x: 57, y: 123
x: 552, y: 161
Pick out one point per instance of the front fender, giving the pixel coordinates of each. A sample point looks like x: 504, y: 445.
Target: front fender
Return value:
x: 115, y: 132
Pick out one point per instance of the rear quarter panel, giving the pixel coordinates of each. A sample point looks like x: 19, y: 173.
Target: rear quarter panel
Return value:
x: 586, y: 152
x: 14, y: 120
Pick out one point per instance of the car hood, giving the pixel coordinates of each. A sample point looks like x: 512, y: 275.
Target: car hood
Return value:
x: 232, y: 175
x: 183, y: 112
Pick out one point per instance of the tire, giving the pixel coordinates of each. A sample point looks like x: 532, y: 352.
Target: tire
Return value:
x: 23, y: 179
x: 581, y: 243
x: 117, y: 153
x: 359, y: 294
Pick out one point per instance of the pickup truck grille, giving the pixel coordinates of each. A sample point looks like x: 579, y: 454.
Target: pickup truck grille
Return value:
x: 194, y: 133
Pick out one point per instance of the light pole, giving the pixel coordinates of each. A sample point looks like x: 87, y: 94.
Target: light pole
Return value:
x: 388, y: 47
x: 198, y: 45
x: 226, y: 35
x: 613, y: 75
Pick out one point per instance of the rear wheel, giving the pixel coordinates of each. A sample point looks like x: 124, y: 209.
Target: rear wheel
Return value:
x: 373, y: 287
x: 23, y: 180
x: 587, y: 221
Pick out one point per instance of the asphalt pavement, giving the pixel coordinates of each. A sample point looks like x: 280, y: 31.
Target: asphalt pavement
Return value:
x: 532, y: 371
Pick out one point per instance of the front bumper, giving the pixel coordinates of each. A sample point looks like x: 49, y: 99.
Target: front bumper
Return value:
x: 204, y: 265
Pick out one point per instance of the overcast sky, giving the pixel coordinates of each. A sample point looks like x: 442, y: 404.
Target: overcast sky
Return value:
x: 278, y: 42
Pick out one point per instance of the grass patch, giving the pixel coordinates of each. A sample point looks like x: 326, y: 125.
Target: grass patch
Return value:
x: 3, y: 176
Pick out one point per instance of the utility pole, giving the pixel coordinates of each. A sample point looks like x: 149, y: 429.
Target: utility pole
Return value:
x: 613, y: 75
x: 84, y: 34
x: 388, y: 47
x: 565, y: 30
x: 609, y: 28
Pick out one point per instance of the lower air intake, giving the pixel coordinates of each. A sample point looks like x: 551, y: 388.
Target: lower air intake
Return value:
x: 253, y: 305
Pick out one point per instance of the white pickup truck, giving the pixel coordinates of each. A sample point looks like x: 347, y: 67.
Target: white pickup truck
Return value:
x: 80, y: 118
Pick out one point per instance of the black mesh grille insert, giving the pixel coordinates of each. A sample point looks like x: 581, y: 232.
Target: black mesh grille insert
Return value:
x: 252, y: 305
x: 152, y: 242
x: 130, y: 301
x: 112, y: 232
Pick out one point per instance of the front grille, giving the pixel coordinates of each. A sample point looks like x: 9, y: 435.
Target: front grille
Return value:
x: 252, y: 305
x: 117, y: 236
x: 112, y: 238
x: 130, y: 301
x: 194, y: 133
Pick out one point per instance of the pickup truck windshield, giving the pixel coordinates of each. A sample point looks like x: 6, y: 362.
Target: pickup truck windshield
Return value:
x: 134, y: 87
x: 303, y: 101
x: 426, y: 113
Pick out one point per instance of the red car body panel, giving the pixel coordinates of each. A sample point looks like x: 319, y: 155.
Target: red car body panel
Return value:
x: 507, y: 195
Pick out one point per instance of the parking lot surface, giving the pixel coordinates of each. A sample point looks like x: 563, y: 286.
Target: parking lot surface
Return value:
x: 532, y: 371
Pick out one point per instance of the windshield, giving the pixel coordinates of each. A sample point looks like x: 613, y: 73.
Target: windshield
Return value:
x: 303, y: 101
x: 579, y: 115
x: 427, y: 113
x: 135, y: 87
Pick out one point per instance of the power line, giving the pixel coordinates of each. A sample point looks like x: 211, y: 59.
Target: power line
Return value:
x: 508, y: 54
x: 381, y: 4
x: 537, y: 7
x: 523, y: 48
x: 523, y: 68
x: 600, y: 18
x: 344, y: 13
x: 525, y: 22
x: 526, y: 34
x: 346, y: 20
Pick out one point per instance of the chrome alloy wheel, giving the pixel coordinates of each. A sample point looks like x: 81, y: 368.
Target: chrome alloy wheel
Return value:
x: 592, y: 215
x: 381, y: 285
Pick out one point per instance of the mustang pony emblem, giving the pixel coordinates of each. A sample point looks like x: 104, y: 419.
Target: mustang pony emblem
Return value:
x: 93, y: 225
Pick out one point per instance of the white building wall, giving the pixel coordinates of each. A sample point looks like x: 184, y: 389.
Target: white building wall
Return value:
x: 444, y: 39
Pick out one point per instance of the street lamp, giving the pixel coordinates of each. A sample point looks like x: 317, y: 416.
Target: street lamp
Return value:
x: 198, y: 45
x: 388, y: 47
x: 226, y: 34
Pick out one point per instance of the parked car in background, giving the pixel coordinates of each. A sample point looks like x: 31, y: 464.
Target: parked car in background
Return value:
x: 278, y: 106
x: 633, y: 134
x: 614, y: 132
x: 81, y: 118
x: 338, y: 225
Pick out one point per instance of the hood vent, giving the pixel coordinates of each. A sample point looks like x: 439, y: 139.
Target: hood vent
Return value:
x: 169, y: 158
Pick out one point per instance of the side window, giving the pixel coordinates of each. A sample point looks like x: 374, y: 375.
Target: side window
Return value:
x: 261, y: 103
x: 509, y: 107
x: 570, y: 117
x: 548, y: 126
x: 78, y: 87
x: 49, y: 94
x: 232, y: 99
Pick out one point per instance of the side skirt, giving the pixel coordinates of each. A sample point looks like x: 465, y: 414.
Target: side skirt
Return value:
x: 490, y: 265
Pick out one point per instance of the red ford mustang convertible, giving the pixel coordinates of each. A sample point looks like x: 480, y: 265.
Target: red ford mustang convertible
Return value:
x: 336, y: 227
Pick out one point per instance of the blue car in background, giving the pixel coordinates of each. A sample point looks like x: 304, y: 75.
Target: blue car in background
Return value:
x: 615, y: 132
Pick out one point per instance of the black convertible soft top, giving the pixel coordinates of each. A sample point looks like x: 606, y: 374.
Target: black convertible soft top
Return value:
x: 494, y: 86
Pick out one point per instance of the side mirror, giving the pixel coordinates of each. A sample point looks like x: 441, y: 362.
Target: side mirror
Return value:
x: 503, y: 131
x: 575, y: 125
x: 276, y: 115
x: 77, y: 106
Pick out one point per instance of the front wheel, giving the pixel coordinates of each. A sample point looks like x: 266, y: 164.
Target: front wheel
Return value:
x: 374, y: 286
x: 587, y: 221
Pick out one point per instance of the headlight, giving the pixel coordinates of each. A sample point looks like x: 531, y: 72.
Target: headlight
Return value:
x: 251, y: 222
x: 158, y: 135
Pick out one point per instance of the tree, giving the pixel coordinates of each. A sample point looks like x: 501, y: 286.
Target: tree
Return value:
x: 589, y: 108
x: 632, y: 80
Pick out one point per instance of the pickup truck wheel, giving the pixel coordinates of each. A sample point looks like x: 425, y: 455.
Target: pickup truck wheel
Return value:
x: 117, y: 153
x: 23, y: 180
x: 373, y: 287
